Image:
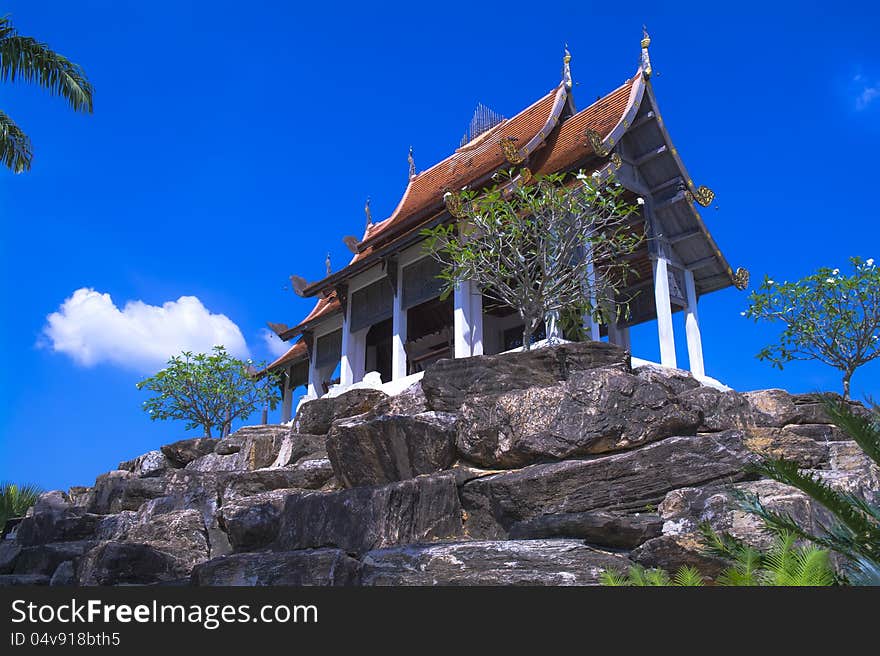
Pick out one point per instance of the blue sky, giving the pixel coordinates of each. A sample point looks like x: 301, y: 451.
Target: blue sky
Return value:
x: 233, y: 145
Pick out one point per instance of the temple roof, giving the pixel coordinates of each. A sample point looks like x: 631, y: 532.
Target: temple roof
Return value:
x: 551, y: 137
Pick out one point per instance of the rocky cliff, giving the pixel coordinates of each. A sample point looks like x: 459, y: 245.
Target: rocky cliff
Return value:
x: 544, y: 467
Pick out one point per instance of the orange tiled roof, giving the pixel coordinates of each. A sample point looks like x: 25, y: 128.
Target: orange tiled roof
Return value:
x: 472, y: 161
x: 565, y: 145
x: 569, y: 144
x: 298, y: 351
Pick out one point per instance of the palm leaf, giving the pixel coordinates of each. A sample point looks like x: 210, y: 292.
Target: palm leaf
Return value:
x: 687, y: 576
x: 26, y: 59
x: 15, y: 146
x: 860, y: 427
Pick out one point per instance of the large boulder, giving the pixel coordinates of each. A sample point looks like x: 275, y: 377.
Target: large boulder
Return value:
x: 630, y: 480
x: 9, y: 552
x: 179, y: 532
x: 783, y: 443
x: 388, y: 448
x: 519, y: 562
x: 364, y: 518
x: 721, y: 410
x: 448, y: 383
x: 121, y: 490
x: 297, y: 446
x: 132, y: 563
x: 252, y: 522
x: 152, y: 463
x: 331, y: 567
x: 249, y: 448
x: 594, y: 411
x: 316, y: 416
x: 305, y: 475
x: 45, y: 558
x: 182, y: 452
x: 607, y: 529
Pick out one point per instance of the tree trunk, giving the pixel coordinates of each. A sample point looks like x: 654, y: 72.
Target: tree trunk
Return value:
x: 207, y: 428
x: 527, y: 335
x: 846, y: 378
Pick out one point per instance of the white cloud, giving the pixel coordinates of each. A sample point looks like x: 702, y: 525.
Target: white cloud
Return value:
x: 276, y: 347
x: 867, y: 95
x: 91, y: 329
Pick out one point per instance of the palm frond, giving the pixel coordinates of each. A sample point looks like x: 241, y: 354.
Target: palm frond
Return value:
x: 16, y: 499
x: 15, y: 146
x: 860, y: 427
x: 613, y: 578
x: 788, y: 472
x: 26, y: 59
x: 687, y: 576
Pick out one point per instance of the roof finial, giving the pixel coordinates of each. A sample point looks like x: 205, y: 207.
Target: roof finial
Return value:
x: 566, y: 68
x: 412, y: 164
x: 367, y: 212
x: 327, y: 263
x: 646, y: 58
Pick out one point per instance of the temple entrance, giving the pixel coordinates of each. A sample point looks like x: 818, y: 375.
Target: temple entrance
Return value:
x: 378, y: 349
x: 429, y: 335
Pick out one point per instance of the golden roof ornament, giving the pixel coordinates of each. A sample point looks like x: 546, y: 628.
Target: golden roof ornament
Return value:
x: 646, y: 58
x: 702, y: 195
x: 511, y: 154
x: 412, y: 164
x: 368, y: 213
x: 566, y: 68
x: 741, y: 278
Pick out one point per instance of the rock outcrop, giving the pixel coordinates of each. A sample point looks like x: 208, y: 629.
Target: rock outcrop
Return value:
x: 538, y: 468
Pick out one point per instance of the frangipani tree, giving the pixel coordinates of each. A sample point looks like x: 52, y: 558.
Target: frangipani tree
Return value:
x: 526, y: 243
x: 827, y: 316
x: 209, y: 389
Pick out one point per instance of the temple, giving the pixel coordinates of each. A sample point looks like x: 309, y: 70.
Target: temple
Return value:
x: 383, y: 313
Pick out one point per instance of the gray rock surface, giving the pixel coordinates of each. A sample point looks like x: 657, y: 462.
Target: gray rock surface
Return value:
x: 331, y: 567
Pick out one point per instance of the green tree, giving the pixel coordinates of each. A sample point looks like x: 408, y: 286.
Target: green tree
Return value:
x: 15, y: 500
x: 854, y: 532
x: 827, y: 316
x: 524, y: 243
x: 209, y: 389
x: 26, y: 59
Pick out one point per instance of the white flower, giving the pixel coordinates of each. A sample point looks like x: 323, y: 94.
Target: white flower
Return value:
x: 870, y: 261
x: 742, y: 314
x: 836, y: 271
x: 595, y: 174
x: 874, y: 337
x: 770, y: 282
x: 640, y: 200
x: 831, y: 280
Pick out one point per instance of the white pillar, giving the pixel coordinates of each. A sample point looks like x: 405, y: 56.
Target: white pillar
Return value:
x: 461, y: 319
x: 398, y: 330
x: 664, y: 312
x: 591, y: 326
x: 551, y: 322
x: 346, y: 372
x: 476, y: 321
x: 316, y: 387
x: 692, y: 327
x: 287, y: 399
x: 358, y: 354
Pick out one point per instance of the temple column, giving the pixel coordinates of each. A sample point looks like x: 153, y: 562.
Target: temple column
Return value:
x: 591, y: 326
x: 398, y: 334
x: 358, y: 354
x: 461, y: 319
x: 287, y: 399
x: 346, y: 372
x: 692, y: 326
x: 664, y: 312
x: 316, y: 385
x: 476, y: 321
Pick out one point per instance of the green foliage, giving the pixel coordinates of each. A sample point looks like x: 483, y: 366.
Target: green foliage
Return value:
x: 638, y: 576
x: 827, y: 316
x: 208, y: 390
x: 524, y: 244
x: 15, y: 500
x: 854, y: 531
x: 783, y: 564
x: 25, y: 59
